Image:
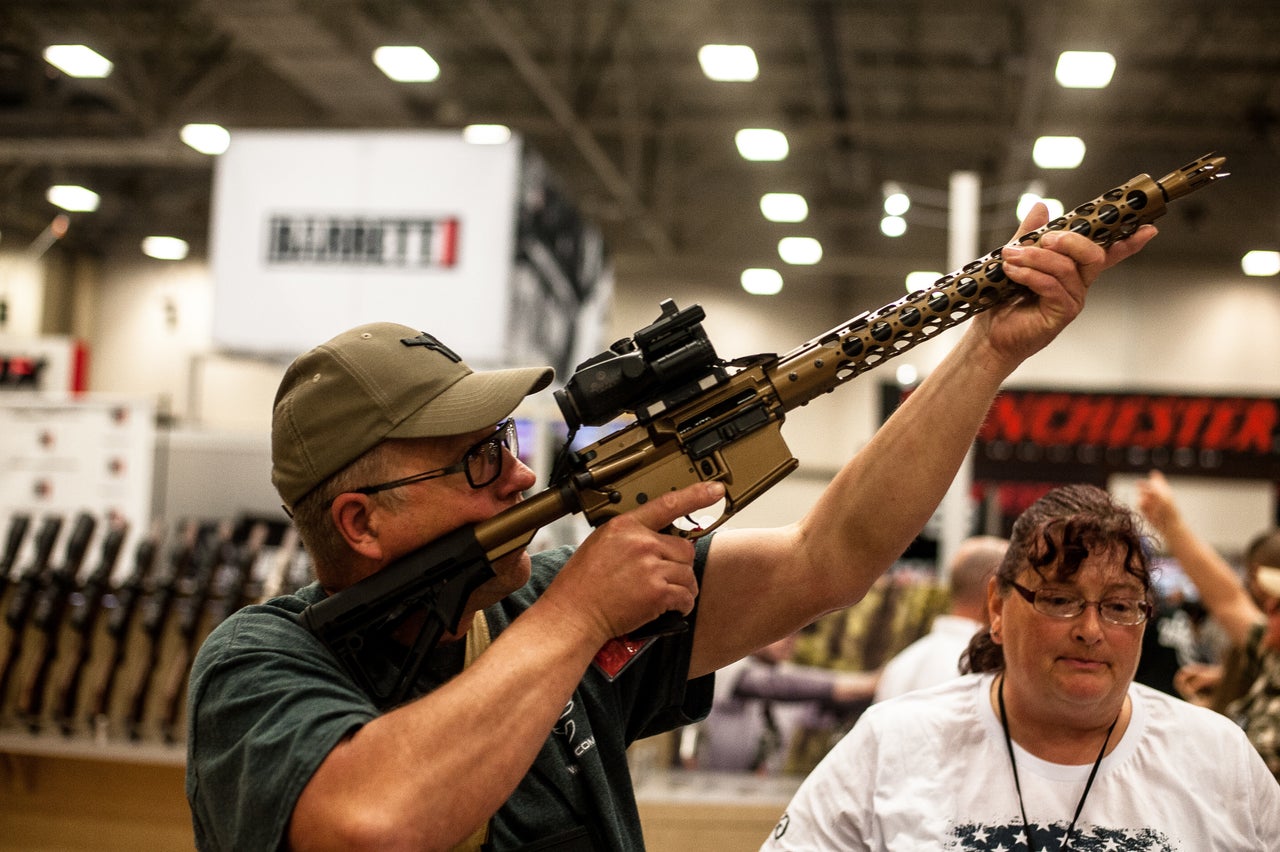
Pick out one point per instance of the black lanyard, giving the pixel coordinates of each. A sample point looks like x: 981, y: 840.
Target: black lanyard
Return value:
x: 1008, y: 742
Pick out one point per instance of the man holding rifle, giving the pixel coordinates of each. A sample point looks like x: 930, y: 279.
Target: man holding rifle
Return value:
x: 384, y: 441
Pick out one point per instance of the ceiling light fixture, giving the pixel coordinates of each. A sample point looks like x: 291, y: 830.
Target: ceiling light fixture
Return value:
x: 728, y: 63
x: 1261, y: 263
x: 72, y: 198
x: 486, y: 134
x: 406, y: 63
x: 800, y: 251
x: 78, y: 60
x: 211, y: 139
x: 1085, y: 69
x: 761, y: 282
x: 896, y: 201
x: 1058, y: 152
x: 761, y: 144
x: 784, y: 207
x: 165, y: 248
x: 893, y: 226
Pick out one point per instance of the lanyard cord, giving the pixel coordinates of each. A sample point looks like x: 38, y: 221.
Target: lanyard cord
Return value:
x: 1017, y: 785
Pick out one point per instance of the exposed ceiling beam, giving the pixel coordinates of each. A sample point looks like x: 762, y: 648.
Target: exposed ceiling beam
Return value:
x: 578, y: 133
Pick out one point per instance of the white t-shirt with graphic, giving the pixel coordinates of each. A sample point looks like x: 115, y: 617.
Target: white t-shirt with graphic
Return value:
x: 929, y: 772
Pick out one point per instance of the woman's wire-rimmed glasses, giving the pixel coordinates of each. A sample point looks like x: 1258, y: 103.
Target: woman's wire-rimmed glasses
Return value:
x: 1126, y: 612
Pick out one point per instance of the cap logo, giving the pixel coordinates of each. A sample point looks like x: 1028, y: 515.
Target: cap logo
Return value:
x: 430, y: 341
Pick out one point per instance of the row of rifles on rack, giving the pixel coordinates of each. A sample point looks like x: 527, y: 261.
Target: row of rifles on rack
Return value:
x: 100, y: 628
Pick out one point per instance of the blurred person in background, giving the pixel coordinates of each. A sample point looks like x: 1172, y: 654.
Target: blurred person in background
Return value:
x: 935, y: 657
x: 758, y: 703
x: 1248, y: 611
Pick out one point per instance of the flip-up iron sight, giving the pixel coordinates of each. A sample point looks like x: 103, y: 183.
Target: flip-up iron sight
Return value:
x: 660, y: 366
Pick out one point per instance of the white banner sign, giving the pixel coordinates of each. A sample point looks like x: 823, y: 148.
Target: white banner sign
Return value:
x: 315, y: 232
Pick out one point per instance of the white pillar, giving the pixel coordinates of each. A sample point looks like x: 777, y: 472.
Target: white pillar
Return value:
x: 963, y: 215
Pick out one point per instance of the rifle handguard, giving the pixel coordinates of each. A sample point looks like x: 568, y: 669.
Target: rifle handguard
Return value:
x: 870, y: 339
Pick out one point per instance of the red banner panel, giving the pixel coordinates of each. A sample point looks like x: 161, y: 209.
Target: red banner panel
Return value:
x: 1052, y: 435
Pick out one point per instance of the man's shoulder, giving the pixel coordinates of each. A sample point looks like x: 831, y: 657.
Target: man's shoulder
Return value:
x: 273, y: 622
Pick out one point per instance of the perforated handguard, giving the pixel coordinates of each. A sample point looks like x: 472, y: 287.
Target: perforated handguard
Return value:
x: 871, y: 338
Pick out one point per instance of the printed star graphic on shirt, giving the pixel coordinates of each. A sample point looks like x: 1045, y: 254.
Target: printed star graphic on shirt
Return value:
x: 1010, y: 837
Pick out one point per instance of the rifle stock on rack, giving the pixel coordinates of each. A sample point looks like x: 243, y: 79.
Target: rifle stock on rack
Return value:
x: 697, y: 418
x: 23, y: 597
x: 48, y: 614
x: 18, y: 525
x: 84, y: 619
x: 120, y: 618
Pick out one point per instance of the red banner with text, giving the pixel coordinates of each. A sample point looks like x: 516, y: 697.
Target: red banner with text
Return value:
x: 1054, y: 435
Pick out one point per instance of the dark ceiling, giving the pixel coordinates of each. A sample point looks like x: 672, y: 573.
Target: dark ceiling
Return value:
x: 611, y: 93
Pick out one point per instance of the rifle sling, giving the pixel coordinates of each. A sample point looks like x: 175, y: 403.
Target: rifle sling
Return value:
x: 478, y: 639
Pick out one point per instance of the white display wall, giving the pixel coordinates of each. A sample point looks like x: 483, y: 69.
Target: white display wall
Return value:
x: 314, y: 232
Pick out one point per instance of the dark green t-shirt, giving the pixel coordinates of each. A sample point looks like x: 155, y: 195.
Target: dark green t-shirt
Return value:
x: 268, y: 701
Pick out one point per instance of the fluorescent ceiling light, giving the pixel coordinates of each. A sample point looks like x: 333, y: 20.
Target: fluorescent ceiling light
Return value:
x: 1085, y: 69
x: 78, y: 60
x: 761, y: 282
x: 486, y: 134
x: 728, y: 62
x: 165, y: 248
x: 784, y: 207
x: 1261, y: 263
x: 1058, y: 152
x: 212, y: 139
x: 75, y: 199
x: 760, y: 144
x: 406, y: 63
x: 1027, y: 199
x: 893, y: 226
x: 896, y: 202
x: 800, y: 251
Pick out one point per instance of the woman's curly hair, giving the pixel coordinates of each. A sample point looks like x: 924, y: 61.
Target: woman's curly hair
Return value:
x: 1053, y: 537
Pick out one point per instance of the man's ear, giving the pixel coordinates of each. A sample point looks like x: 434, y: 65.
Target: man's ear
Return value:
x: 353, y: 516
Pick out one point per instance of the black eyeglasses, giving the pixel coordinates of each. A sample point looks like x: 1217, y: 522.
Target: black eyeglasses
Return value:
x: 1057, y: 604
x: 482, y: 463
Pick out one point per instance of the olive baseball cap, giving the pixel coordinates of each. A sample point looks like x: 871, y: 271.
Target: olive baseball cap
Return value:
x: 374, y: 382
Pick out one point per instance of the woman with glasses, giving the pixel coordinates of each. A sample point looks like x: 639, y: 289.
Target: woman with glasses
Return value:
x: 1047, y: 743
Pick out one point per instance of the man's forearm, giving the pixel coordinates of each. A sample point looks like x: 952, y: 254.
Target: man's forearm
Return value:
x: 896, y: 482
x: 431, y: 771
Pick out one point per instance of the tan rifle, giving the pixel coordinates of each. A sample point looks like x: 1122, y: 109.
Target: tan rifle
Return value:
x: 697, y: 418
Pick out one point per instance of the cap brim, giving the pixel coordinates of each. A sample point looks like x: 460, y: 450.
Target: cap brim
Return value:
x: 1268, y: 579
x: 473, y: 402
